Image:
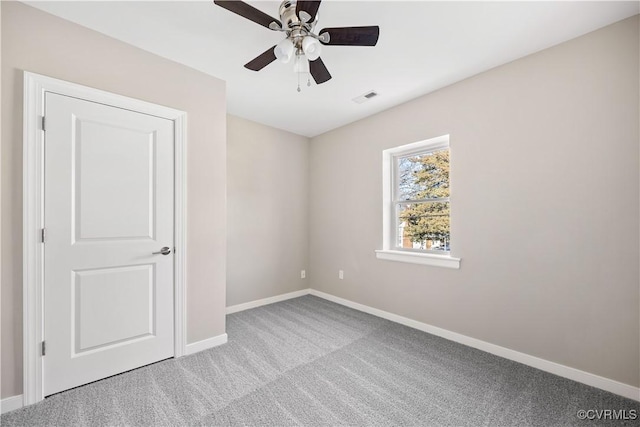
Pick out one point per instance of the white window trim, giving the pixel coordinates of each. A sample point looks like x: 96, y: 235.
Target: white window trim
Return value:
x: 387, y: 252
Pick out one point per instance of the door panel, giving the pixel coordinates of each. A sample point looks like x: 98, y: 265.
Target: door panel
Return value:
x: 114, y: 183
x: 97, y: 291
x: 108, y: 299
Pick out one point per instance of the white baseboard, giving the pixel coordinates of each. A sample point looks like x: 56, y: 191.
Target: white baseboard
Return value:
x: 265, y: 301
x: 11, y: 404
x: 593, y: 380
x: 205, y: 344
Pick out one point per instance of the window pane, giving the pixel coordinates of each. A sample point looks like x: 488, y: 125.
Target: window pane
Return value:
x: 423, y: 226
x: 423, y: 176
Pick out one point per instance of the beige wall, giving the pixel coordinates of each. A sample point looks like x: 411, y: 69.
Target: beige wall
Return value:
x: 35, y: 41
x: 267, y: 205
x: 544, y: 206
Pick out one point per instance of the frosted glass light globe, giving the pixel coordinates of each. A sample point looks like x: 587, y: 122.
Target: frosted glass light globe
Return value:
x: 311, y: 47
x: 284, y: 50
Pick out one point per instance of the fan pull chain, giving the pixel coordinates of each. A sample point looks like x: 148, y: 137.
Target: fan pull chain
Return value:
x: 298, y: 81
x: 308, y: 82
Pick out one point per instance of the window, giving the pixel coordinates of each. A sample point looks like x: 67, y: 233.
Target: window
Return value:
x: 416, y: 205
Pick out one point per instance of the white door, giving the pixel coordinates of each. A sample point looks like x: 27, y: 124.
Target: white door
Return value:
x: 108, y: 300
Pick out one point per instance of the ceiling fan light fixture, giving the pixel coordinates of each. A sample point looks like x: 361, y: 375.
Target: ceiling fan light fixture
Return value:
x: 298, y: 19
x: 284, y: 51
x: 311, y: 47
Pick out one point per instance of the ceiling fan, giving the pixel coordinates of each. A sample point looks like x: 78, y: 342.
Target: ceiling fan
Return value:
x: 298, y: 20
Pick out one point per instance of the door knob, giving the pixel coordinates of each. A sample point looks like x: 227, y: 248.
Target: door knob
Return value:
x: 163, y: 251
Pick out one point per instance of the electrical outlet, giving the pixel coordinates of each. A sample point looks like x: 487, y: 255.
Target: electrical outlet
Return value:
x: 340, y: 274
x: 303, y: 274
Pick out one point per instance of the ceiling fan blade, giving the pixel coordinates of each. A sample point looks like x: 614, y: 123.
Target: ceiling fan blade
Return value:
x: 310, y: 7
x: 351, y: 36
x: 262, y: 60
x: 319, y: 71
x: 247, y: 11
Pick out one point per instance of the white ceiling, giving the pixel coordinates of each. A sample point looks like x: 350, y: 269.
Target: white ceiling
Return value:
x: 423, y: 46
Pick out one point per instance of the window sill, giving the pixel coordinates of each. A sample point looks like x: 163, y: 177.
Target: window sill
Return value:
x: 418, y: 258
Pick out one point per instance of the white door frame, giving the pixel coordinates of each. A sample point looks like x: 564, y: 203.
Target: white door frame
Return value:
x: 35, y: 87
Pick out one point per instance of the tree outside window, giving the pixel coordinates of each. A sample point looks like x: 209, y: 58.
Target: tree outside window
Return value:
x: 422, y: 201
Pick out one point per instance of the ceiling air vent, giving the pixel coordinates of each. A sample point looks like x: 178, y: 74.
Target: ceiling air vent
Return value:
x: 365, y: 97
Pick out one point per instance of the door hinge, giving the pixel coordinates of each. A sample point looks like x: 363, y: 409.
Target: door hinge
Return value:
x: 43, y: 128
x: 43, y: 235
x: 44, y: 348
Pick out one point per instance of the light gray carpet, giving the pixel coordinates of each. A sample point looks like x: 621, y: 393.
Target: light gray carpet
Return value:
x: 311, y: 362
